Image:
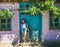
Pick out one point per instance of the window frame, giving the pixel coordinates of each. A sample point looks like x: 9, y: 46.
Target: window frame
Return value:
x: 53, y: 23
x: 24, y: 7
x: 6, y: 24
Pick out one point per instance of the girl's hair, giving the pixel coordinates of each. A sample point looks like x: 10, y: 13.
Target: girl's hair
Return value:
x: 24, y: 20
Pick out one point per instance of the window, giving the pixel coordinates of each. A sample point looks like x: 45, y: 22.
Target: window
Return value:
x: 54, y: 24
x: 24, y: 6
x: 5, y: 24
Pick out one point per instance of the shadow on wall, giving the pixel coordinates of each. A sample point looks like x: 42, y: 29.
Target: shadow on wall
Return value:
x: 52, y: 36
x: 8, y: 38
x: 15, y: 41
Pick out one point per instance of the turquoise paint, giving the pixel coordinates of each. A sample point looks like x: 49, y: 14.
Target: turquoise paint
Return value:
x: 35, y: 24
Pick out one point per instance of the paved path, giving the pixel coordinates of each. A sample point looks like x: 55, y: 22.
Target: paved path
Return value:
x: 10, y: 45
x: 5, y: 45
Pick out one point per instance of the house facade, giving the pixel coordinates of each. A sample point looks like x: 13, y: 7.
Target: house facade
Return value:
x: 10, y: 35
x: 39, y: 24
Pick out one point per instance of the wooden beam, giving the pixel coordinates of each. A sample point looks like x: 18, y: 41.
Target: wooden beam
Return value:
x: 15, y: 0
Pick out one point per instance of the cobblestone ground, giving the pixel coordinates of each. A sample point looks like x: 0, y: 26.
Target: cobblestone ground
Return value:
x: 19, y: 45
x: 25, y: 45
x: 28, y: 44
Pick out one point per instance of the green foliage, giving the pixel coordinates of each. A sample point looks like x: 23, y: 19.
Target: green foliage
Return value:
x: 47, y: 4
x: 5, y: 13
x: 38, y: 6
x: 34, y: 10
x: 54, y: 11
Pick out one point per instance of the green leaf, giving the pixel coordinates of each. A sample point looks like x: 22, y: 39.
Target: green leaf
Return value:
x: 5, y: 13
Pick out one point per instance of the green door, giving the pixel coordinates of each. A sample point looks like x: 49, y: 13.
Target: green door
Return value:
x: 36, y: 27
x: 34, y: 22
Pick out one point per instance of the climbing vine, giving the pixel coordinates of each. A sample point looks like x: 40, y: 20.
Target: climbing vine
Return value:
x: 37, y: 7
x: 5, y: 13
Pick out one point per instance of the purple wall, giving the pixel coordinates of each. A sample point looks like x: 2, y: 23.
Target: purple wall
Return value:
x: 9, y: 36
x: 49, y: 34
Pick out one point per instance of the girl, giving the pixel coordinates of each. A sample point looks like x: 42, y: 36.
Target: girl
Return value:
x: 24, y: 28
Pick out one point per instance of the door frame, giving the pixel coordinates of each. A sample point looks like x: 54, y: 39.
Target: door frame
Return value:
x: 20, y: 23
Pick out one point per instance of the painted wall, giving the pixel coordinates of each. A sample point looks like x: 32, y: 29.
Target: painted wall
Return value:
x: 9, y: 36
x: 49, y: 34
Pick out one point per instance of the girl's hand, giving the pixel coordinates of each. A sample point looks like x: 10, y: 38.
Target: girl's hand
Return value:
x: 27, y: 29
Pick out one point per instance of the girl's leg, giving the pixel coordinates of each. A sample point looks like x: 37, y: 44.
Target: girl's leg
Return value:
x: 24, y: 36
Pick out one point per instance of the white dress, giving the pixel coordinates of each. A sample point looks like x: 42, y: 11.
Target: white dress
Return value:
x: 24, y: 27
